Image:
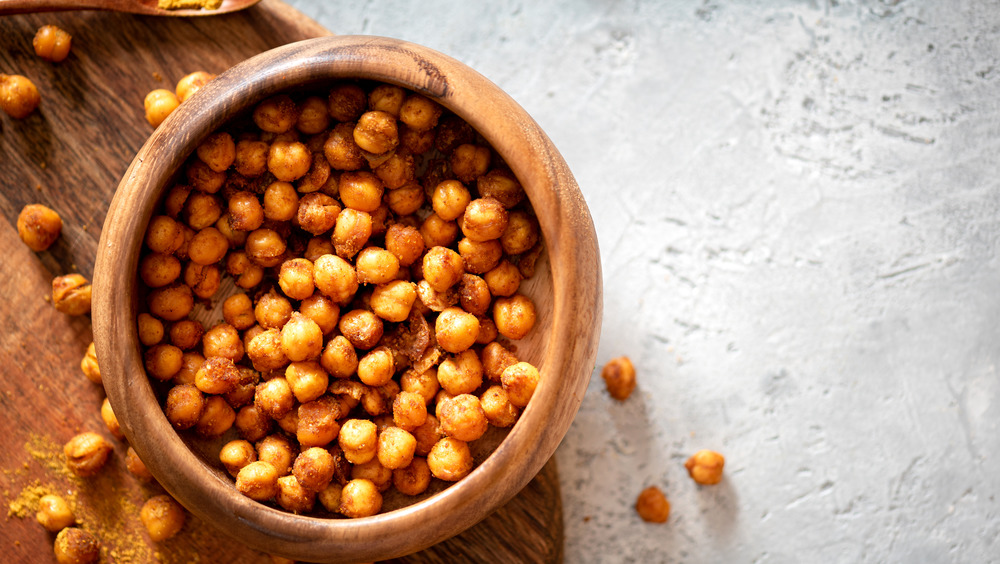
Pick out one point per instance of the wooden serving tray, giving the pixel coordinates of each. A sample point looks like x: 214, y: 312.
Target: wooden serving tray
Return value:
x: 70, y: 155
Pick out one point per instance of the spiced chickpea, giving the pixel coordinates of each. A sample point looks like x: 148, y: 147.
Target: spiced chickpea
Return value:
x: 164, y: 235
x: 484, y: 219
x: 281, y: 201
x: 278, y: 451
x: 203, y: 280
x: 514, y: 316
x: 258, y: 480
x: 222, y: 340
x: 318, y: 424
x: 361, y: 327
x: 496, y: 358
x: 237, y: 310
x: 442, y: 268
x: 246, y: 272
x: 265, y: 351
x: 71, y: 294
x: 462, y: 417
x: 414, y: 141
x: 419, y: 112
x: 252, y: 423
x: 307, y: 380
x: 296, y: 278
x: 501, y: 185
x: 317, y: 213
x: 456, y: 330
x: 450, y: 459
x: 158, y: 269
x: 474, y: 295
x: 86, y: 454
x: 251, y: 157
x: 317, y: 247
x: 191, y: 83
x: 173, y: 204
x: 190, y: 363
x: 461, y: 374
x: 360, y: 498
x: 376, y: 265
x: 293, y: 497
x: 427, y: 435
x: 451, y: 132
x: 520, y: 381
x: 424, y: 383
x: 387, y: 98
x: 469, y: 162
x: 202, y: 210
x: 218, y: 151
x: 439, y: 399
x: 243, y: 393
x: 397, y: 171
x: 652, y: 506
x: 405, y: 243
x: 136, y: 466
x: 273, y: 310
x: 450, y: 199
x: 395, y: 448
x: 374, y: 472
x: 358, y: 438
x: 183, y: 406
x: 150, y: 330
x: 376, y: 368
x: 245, y: 211
x: 438, y: 232
x: 313, y: 468
x: 217, y: 417
x: 406, y: 199
x: 335, y: 278
x: 346, y: 102
x: 276, y: 115
x: 393, y: 300
x: 619, y: 377
x: 339, y: 357
x: 503, y: 280
x: 480, y: 256
x: 172, y: 303
x: 54, y: 514
x: 110, y: 420
x: 361, y: 190
x: 288, y: 161
x: 330, y: 497
x: 340, y: 149
x: 274, y: 397
x: 200, y: 176
x: 301, y: 338
x: 89, y: 364
x: 351, y: 232
x: 159, y: 104
x: 162, y: 361
x: 38, y: 226
x: 217, y: 375
x: 413, y: 479
x: 236, y: 454
x: 521, y: 233
x: 409, y: 410
x: 705, y: 467
x: 76, y: 546
x: 497, y: 407
x: 162, y: 516
x: 313, y: 116
x: 321, y: 310
x: 18, y: 95
x: 208, y: 246
x: 52, y: 43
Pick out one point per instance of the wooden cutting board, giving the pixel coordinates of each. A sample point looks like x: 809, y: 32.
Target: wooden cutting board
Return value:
x: 70, y: 155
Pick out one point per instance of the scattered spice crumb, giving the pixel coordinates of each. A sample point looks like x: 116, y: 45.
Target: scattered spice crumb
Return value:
x: 157, y: 77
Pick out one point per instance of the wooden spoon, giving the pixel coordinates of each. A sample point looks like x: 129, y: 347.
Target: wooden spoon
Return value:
x: 145, y: 7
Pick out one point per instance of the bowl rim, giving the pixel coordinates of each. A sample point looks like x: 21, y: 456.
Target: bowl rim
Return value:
x: 567, y: 230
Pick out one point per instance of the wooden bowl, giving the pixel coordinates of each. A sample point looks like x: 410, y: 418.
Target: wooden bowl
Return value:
x: 566, y: 289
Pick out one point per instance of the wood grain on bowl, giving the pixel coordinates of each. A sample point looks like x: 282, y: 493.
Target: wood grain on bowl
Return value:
x: 70, y: 154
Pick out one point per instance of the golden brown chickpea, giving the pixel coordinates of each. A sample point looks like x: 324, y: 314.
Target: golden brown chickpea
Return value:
x: 340, y: 149
x: 278, y: 451
x: 38, y: 226
x: 497, y: 407
x: 469, y: 162
x: 164, y: 235
x: 246, y: 273
x: 423, y: 383
x: 496, y: 358
x: 186, y: 334
x: 190, y: 363
x: 395, y: 448
x: 217, y: 375
x: 265, y: 351
x: 427, y: 435
x: 162, y: 516
x: 251, y: 157
x: 191, y: 83
x: 376, y: 368
x: 419, y: 113
x: 416, y: 142
x: 351, y: 232
x: 442, y: 268
x: 86, y: 454
x: 234, y: 237
x: 265, y: 247
x: 450, y: 460
x: 359, y: 439
x: 89, y: 363
x: 184, y: 406
x: 281, y: 201
x: 108, y: 415
x: 208, y: 246
x: 218, y: 151
x: 176, y: 198
x: 136, y: 466
x: 461, y: 374
x: 405, y: 243
x: 274, y: 397
x: 520, y: 381
x: 376, y: 132
x: 273, y: 310
x: 317, y: 213
x: 361, y: 327
x: 451, y: 132
x: 54, y: 513
x: 234, y: 455
x: 307, y: 379
x: 318, y: 424
x: 413, y: 479
x: 406, y: 199
x: 200, y: 176
x: 276, y: 115
x: 484, y: 219
x: 462, y: 417
x: 501, y: 185
x: 373, y: 471
x: 252, y: 423
x: 313, y: 469
x: 288, y: 161
x: 243, y: 393
x: 346, y: 102
x: 393, y: 301
x: 301, y: 338
x: 705, y: 467
x: 456, y: 330
x: 245, y: 211
x: 503, y: 280
x: 18, y: 95
x: 163, y: 361
x: 450, y: 199
x: 480, y: 256
x: 619, y: 377
x: 217, y: 417
x: 652, y: 505
x: 397, y: 171
x: 330, y: 497
x: 71, y: 294
x: 375, y: 265
x: 360, y: 498
x: 514, y: 316
x: 159, y: 104
x: 335, y: 278
x: 52, y: 43
x: 321, y: 310
x: 313, y: 116
x: 361, y: 191
x: 409, y: 410
x: 158, y: 270
x: 223, y: 340
x: 521, y: 233
x: 150, y: 330
x: 76, y: 546
x: 172, y: 302
x: 339, y: 357
x: 296, y: 278
x: 258, y: 481
x: 317, y: 247
x: 474, y: 295
x: 438, y: 232
x: 237, y: 310
x: 387, y: 98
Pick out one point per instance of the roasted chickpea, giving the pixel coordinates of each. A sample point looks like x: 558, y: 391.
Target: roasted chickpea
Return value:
x: 38, y: 226
x: 110, y: 420
x: 246, y: 272
x: 335, y: 278
x: 317, y: 213
x: 203, y: 280
x: 442, y: 268
x: 317, y: 247
x: 451, y: 132
x: 288, y: 161
x: 234, y: 455
x: 409, y: 410
x: 172, y: 302
x: 301, y: 338
x: 462, y: 417
x: 54, y: 513
x: 351, y: 232
x: 217, y: 375
x: 450, y: 459
x: 361, y: 191
x: 313, y: 116
x: 521, y: 233
x: 186, y: 334
x: 191, y: 83
x: 218, y: 151
x: 652, y: 505
x: 265, y: 351
x: 423, y: 383
x: 406, y: 199
x: 307, y: 380
x: 89, y: 363
x: 163, y: 361
x: 397, y: 171
x: 360, y: 498
x: 222, y: 340
x: 184, y: 406
x: 217, y: 417
x: 258, y: 481
x: 278, y: 451
x: 244, y: 391
x: 474, y: 295
x: 274, y: 397
x: 237, y: 310
x: 358, y: 438
x: 158, y: 270
x: 501, y: 185
x: 497, y: 407
x: 203, y: 178
x: 175, y: 200
x: 136, y: 466
x: 392, y: 301
x: 76, y: 546
x: 52, y: 43
x: 450, y: 199
x: 318, y: 424
x: 265, y: 247
x: 480, y: 256
x: 330, y: 497
x: 484, y: 219
x: 413, y: 479
x: 427, y: 435
x: 395, y: 448
x: 387, y: 98
x: 245, y: 211
x: 405, y: 243
x: 514, y: 316
x: 281, y: 201
x: 456, y: 330
x: 273, y: 310
x: 520, y: 381
x: 321, y: 310
x: 346, y: 102
x: 276, y: 115
x: 208, y: 246
x: 164, y: 235
x: 158, y: 104
x: 190, y: 363
x: 375, y: 265
x: 469, y: 162
x: 86, y: 454
x: 496, y: 358
x: 202, y: 211
x: 150, y: 330
x: 503, y: 280
x: 296, y: 278
x: 340, y: 149
x: 252, y: 423
x: 71, y: 294
x: 376, y: 368
x: 313, y: 469
x: 251, y: 157
x: 619, y: 377
x: 162, y: 516
x: 361, y: 327
x: 461, y: 374
x: 293, y: 497
x: 437, y: 232
x: 339, y: 357
x: 705, y: 467
x: 419, y: 113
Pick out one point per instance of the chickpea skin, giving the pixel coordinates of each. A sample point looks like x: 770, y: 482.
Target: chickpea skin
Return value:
x: 38, y: 226
x: 162, y: 516
x: 89, y: 365
x: 71, y: 294
x: 520, y: 381
x: 514, y: 316
x: 159, y: 104
x: 76, y: 546
x: 456, y: 330
x: 86, y: 454
x: 235, y: 455
x: 705, y: 467
x: 652, y: 505
x: 258, y: 481
x: 360, y: 498
x: 54, y: 513
x: 18, y: 95
x: 450, y: 459
x: 619, y: 377
x: 52, y: 43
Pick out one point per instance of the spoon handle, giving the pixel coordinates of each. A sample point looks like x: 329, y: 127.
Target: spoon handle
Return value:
x: 8, y: 7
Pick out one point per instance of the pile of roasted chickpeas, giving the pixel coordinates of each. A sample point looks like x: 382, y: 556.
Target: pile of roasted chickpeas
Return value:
x: 377, y: 246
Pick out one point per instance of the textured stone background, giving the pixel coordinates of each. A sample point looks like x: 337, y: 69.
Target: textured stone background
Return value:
x: 797, y: 208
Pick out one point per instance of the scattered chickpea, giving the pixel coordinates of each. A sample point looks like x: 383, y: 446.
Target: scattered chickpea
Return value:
x: 619, y: 377
x: 191, y: 83
x: 108, y: 415
x: 76, y: 546
x: 89, y: 365
x: 652, y: 505
x: 705, y: 467
x: 86, y: 454
x: 159, y: 104
x: 136, y: 466
x: 52, y: 43
x: 162, y: 516
x: 38, y: 226
x: 54, y: 513
x: 18, y: 95
x: 71, y: 294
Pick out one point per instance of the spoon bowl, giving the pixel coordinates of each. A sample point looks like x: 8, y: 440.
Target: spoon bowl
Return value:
x: 144, y: 7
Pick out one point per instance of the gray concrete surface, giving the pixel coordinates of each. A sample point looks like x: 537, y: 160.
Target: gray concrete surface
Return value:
x: 797, y: 204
